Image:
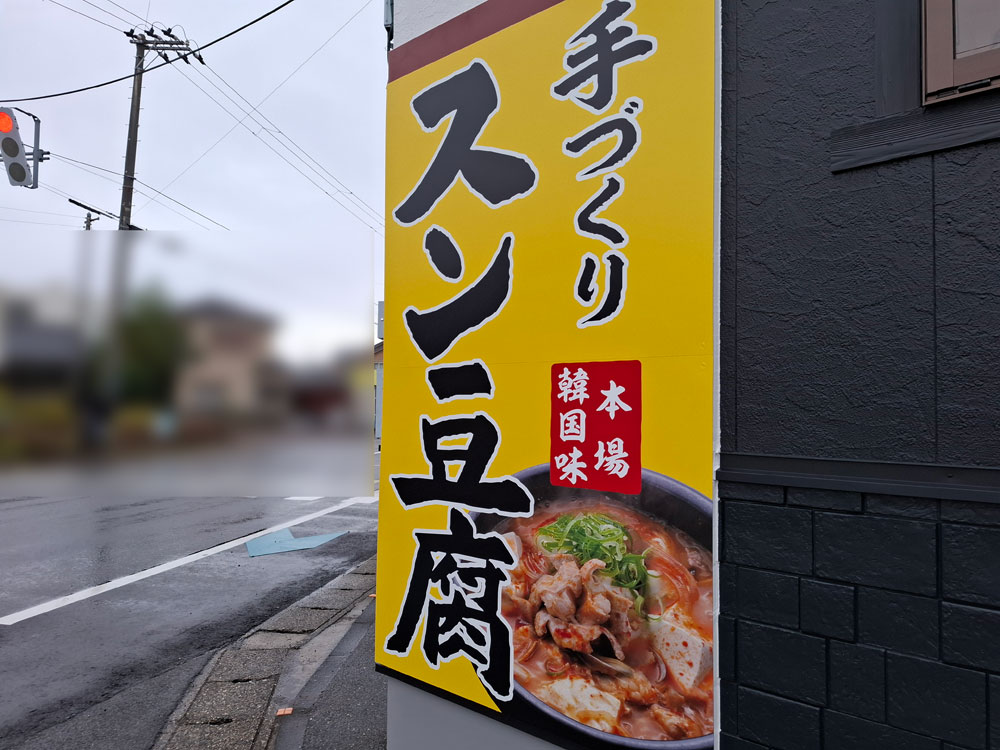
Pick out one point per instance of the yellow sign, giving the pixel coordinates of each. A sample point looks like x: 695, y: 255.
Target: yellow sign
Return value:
x: 549, y: 404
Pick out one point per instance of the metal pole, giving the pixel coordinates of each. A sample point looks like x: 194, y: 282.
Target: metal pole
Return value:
x: 88, y: 221
x: 128, y: 181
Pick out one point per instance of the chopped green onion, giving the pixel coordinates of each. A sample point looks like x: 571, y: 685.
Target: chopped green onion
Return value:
x: 639, y: 601
x: 589, y: 536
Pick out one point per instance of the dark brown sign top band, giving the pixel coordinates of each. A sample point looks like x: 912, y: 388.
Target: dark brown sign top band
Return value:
x: 460, y: 32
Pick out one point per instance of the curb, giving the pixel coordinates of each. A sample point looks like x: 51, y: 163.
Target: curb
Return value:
x: 233, y: 703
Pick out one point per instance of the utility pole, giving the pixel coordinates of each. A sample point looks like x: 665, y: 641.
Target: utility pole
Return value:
x: 97, y: 399
x: 144, y: 42
x: 111, y: 364
x: 111, y: 380
x: 128, y: 182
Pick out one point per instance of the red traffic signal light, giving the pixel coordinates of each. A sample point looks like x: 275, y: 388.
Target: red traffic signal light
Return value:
x: 15, y: 160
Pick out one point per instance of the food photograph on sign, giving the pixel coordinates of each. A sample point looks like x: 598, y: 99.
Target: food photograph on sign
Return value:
x: 549, y: 434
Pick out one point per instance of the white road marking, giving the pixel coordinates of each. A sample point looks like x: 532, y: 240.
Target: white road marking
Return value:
x: 41, y: 609
x: 305, y: 497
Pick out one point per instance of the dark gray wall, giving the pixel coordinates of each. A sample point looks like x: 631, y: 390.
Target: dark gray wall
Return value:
x: 861, y: 322
x: 858, y: 622
x: 861, y: 310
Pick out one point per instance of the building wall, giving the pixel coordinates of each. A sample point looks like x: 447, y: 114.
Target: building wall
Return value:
x: 859, y: 321
x: 858, y: 326
x: 50, y: 304
x: 854, y: 621
x: 226, y: 356
x: 415, y: 17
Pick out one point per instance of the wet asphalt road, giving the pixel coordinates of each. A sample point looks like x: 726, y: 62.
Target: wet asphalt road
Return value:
x: 107, y: 671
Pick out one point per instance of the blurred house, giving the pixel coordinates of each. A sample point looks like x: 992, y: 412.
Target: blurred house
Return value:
x: 230, y: 372
x: 41, y: 346
x: 41, y: 353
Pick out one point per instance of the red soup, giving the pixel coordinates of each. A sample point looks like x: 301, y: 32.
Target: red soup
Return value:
x: 611, y: 612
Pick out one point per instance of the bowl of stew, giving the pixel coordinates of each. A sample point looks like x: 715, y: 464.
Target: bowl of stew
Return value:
x: 610, y: 606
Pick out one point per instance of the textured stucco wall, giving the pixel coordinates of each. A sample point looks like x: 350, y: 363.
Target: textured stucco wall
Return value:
x: 858, y: 318
x: 860, y: 321
x: 414, y: 17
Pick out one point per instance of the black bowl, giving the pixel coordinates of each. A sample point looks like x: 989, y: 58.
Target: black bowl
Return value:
x: 662, y: 498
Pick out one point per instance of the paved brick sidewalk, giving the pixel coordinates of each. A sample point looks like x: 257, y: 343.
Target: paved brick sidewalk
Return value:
x: 233, y: 704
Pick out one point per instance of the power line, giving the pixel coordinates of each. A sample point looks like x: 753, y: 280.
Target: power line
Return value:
x: 39, y: 223
x: 189, y: 166
x: 84, y: 168
x: 182, y: 205
x: 79, y: 13
x: 272, y: 148
x: 105, y: 10
x: 278, y: 153
x: 158, y: 192
x: 131, y: 13
x: 63, y: 194
x: 29, y: 211
x: 72, y: 199
x: 245, y: 26
x: 114, y: 181
x: 317, y: 51
x: 336, y: 184
x: 54, y: 190
x: 130, y: 76
x: 348, y: 193
x: 268, y: 96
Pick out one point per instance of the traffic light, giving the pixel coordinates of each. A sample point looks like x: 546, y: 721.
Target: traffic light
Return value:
x: 14, y: 159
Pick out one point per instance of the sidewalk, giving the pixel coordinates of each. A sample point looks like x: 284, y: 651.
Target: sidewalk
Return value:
x: 315, y: 658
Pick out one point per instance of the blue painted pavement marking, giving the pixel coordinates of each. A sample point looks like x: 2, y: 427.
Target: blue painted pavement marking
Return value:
x: 283, y: 541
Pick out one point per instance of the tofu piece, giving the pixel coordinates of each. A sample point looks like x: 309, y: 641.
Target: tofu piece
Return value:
x: 581, y: 700
x: 685, y: 652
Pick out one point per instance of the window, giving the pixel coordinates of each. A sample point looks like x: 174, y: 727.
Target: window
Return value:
x: 961, y: 47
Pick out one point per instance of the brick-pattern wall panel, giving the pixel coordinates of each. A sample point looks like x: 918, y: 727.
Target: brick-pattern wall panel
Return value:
x: 853, y: 621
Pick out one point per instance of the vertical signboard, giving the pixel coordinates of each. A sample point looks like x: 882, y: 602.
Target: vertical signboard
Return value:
x: 545, y: 530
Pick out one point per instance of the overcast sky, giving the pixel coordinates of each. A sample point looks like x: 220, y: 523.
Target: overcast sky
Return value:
x: 293, y: 247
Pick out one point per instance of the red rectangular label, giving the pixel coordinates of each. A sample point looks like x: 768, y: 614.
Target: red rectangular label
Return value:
x: 597, y: 426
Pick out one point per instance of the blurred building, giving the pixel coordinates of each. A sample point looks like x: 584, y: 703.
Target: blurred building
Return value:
x: 337, y: 394
x: 319, y: 392
x: 230, y: 370
x: 42, y: 348
x: 41, y: 345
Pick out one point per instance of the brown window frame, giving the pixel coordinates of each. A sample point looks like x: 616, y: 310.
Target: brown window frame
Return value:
x: 946, y: 77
